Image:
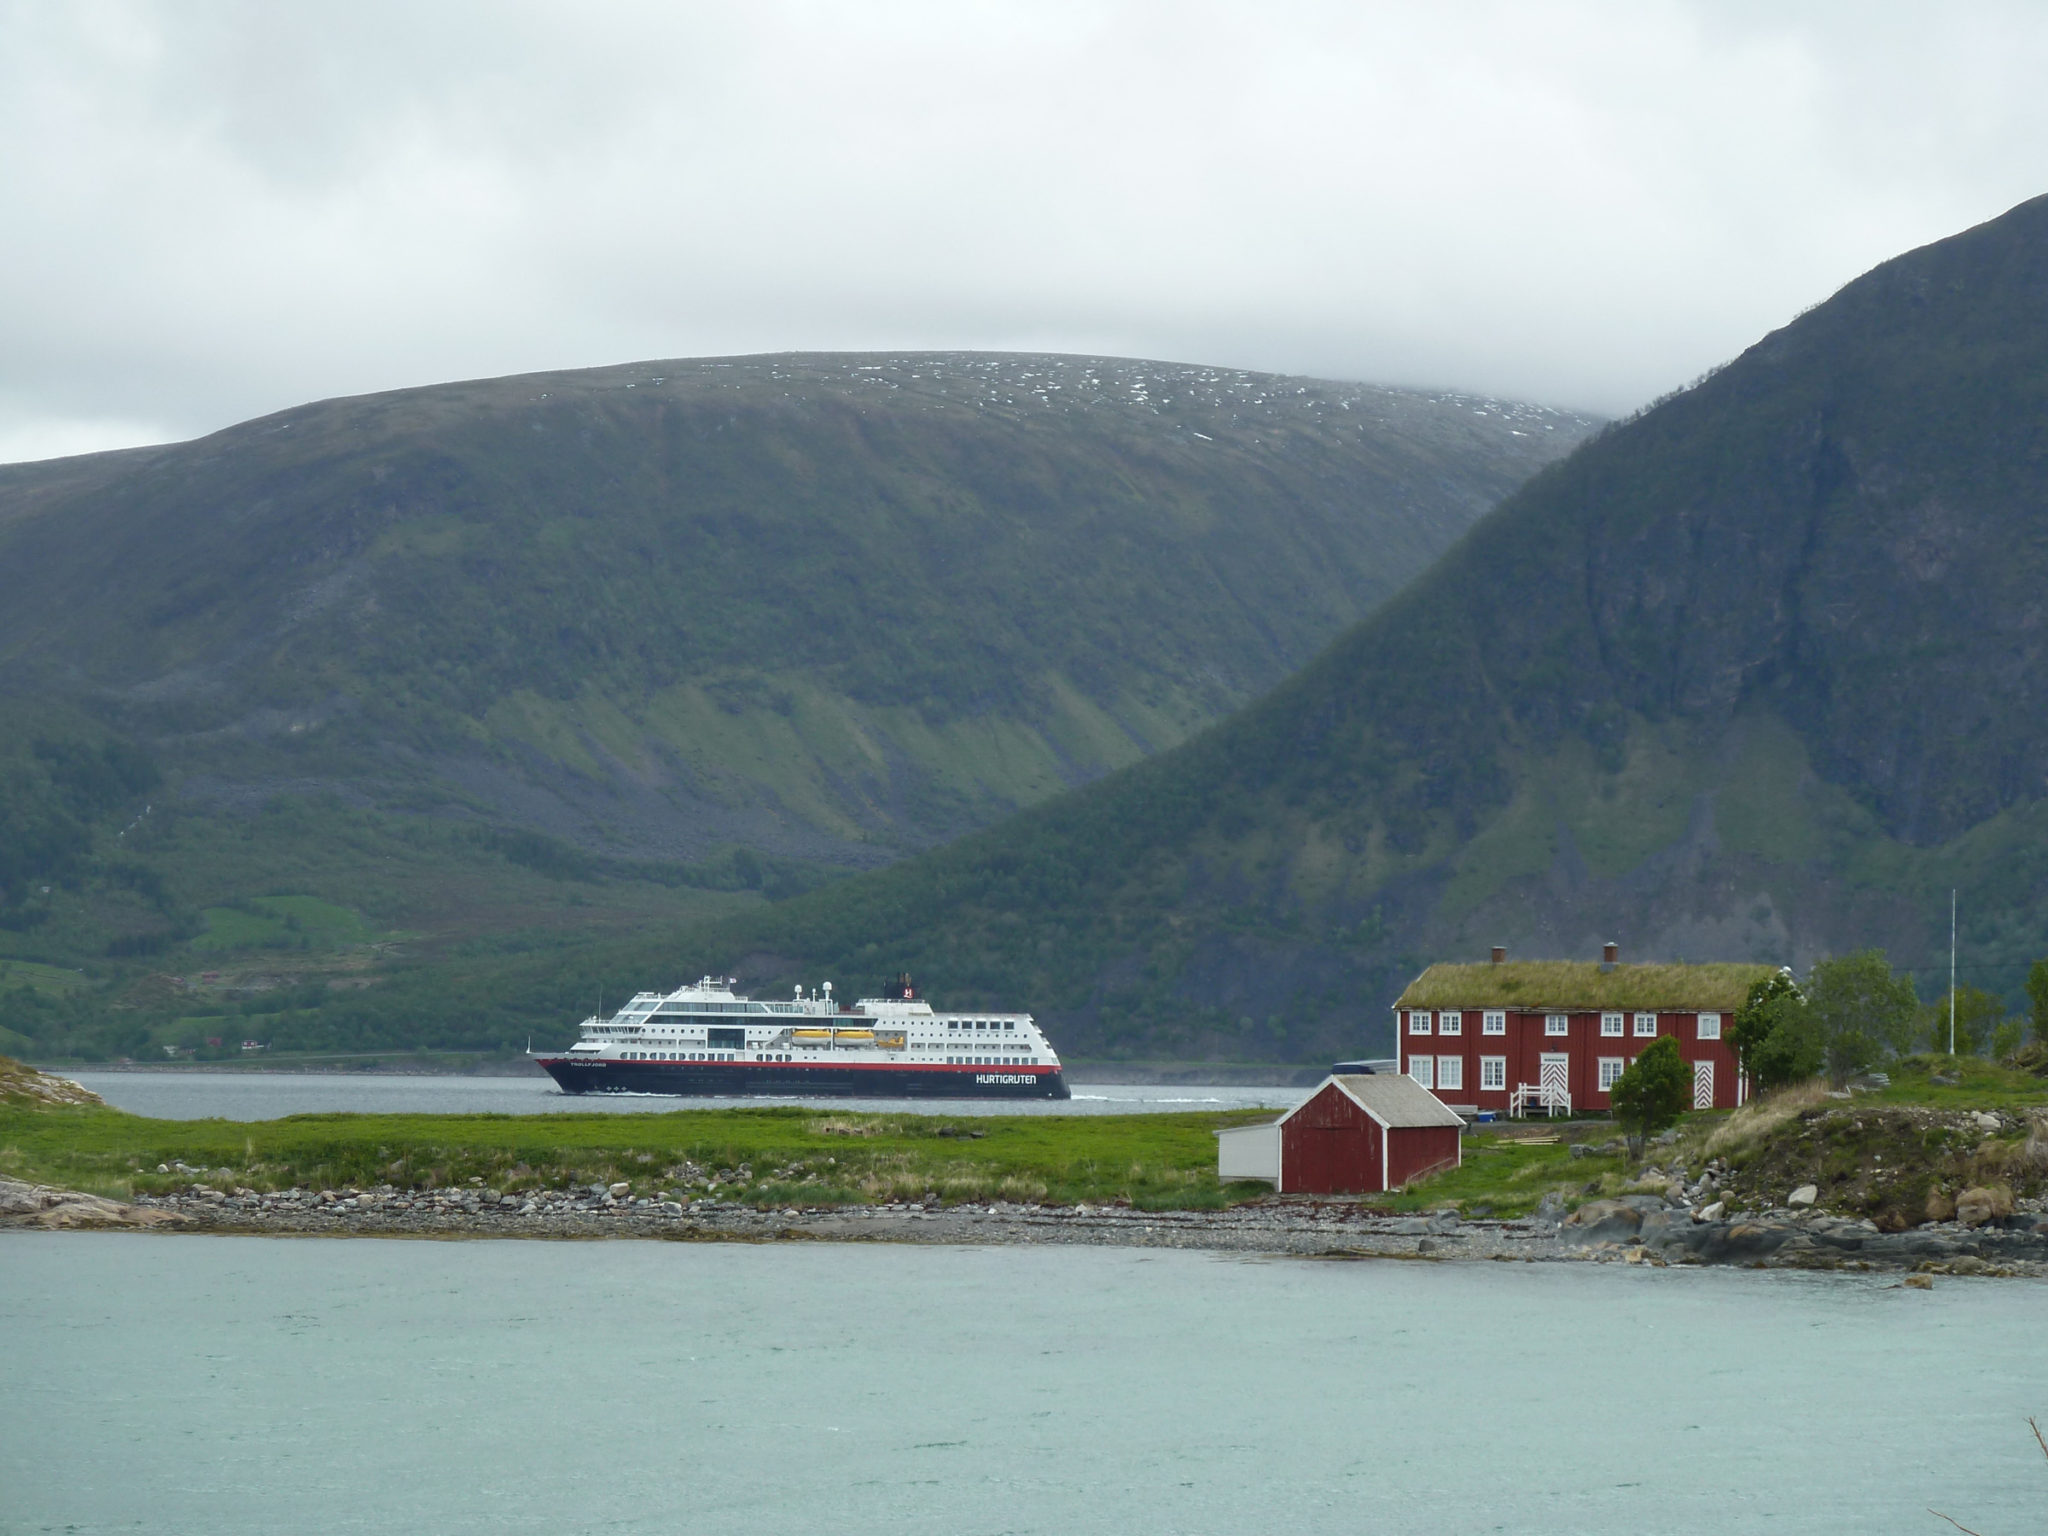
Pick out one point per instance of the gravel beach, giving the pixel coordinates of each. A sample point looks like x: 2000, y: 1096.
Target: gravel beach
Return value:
x: 1634, y: 1229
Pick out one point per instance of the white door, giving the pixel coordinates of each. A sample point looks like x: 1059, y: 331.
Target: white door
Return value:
x: 1703, y: 1085
x: 1555, y: 1072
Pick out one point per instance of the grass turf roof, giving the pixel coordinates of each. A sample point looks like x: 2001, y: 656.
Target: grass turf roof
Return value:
x: 1582, y: 984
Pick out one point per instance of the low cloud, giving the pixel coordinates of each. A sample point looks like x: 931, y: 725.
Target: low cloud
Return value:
x: 217, y: 210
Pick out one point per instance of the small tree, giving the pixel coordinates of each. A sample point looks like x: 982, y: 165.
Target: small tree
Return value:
x: 1861, y: 1011
x: 2007, y: 1037
x: 1977, y: 1015
x: 2037, y: 993
x: 1650, y: 1096
x: 1773, y: 1036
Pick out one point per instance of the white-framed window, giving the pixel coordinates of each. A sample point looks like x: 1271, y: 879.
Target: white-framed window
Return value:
x: 1493, y: 1022
x: 1419, y: 1069
x: 1450, y: 1072
x: 1557, y: 1024
x: 1710, y: 1026
x: 1450, y: 1022
x: 1646, y: 1026
x: 1418, y: 1021
x: 1610, y: 1024
x: 1611, y: 1067
x: 1493, y: 1072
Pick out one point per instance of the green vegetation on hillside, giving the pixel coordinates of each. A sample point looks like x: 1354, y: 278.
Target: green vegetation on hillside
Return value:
x: 819, y: 606
x: 539, y: 660
x: 1753, y: 676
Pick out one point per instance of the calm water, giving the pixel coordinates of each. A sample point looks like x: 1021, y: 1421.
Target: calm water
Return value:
x: 268, y: 1095
x: 228, y: 1386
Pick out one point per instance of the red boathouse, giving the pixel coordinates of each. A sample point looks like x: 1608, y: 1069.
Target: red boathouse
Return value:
x: 1355, y: 1135
x: 1552, y: 1035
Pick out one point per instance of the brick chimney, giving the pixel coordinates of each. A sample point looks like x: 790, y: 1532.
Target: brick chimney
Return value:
x: 1500, y: 954
x: 1610, y: 956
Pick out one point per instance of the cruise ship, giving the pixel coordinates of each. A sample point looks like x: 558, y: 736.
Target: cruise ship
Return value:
x: 705, y: 1039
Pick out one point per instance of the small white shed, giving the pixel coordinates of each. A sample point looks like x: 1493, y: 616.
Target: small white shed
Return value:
x: 1249, y: 1152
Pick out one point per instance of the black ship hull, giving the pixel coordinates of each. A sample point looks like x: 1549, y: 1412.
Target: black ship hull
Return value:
x: 794, y: 1080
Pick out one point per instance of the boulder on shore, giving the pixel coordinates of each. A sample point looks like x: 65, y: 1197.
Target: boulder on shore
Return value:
x: 1986, y: 1202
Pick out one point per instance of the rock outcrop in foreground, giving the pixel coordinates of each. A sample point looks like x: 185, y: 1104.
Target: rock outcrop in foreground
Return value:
x: 38, y: 1205
x: 21, y: 1083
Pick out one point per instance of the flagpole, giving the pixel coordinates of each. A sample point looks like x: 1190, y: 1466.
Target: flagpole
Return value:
x: 1951, y: 972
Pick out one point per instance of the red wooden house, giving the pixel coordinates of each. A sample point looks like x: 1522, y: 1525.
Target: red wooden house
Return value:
x: 1354, y: 1135
x: 1553, y: 1035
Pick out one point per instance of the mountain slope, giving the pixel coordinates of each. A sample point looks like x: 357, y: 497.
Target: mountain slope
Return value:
x: 826, y: 607
x: 516, y: 661
x: 1757, y: 675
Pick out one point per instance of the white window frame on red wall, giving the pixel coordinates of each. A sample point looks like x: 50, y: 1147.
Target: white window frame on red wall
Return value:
x: 1646, y: 1026
x: 1555, y: 1024
x: 1450, y: 1072
x: 1710, y: 1026
x: 1611, y: 1067
x: 1450, y: 1021
x: 1493, y: 1074
x: 1418, y: 1021
x: 1493, y: 1022
x: 1610, y: 1025
x: 1423, y: 1070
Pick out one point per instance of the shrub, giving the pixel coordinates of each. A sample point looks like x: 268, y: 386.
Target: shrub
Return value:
x: 1977, y: 1017
x: 1654, y: 1091
x: 1773, y: 1034
x: 1861, y: 1012
x: 2037, y: 994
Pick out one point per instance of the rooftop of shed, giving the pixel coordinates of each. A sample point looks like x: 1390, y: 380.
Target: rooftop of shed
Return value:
x: 1397, y: 1099
x: 1575, y: 984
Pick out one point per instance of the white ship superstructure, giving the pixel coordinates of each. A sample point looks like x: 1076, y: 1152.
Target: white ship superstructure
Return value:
x: 706, y: 1039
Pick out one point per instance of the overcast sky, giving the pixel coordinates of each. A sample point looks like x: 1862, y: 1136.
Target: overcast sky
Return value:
x: 209, y: 211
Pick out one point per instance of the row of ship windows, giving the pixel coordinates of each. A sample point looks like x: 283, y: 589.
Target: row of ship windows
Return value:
x: 954, y: 1061
x: 1446, y: 1072
x: 1495, y: 1022
x: 666, y: 1020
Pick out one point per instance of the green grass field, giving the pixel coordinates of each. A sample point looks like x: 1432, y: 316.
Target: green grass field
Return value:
x: 1979, y: 1084
x: 281, y: 922
x: 779, y: 1155
x: 52, y: 980
x: 770, y: 1156
x: 1506, y: 1176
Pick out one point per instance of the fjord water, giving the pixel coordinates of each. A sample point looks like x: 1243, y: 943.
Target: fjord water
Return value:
x: 272, y: 1095
x: 240, y: 1385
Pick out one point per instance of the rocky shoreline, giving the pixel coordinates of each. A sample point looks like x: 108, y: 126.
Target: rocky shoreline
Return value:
x: 1634, y: 1229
